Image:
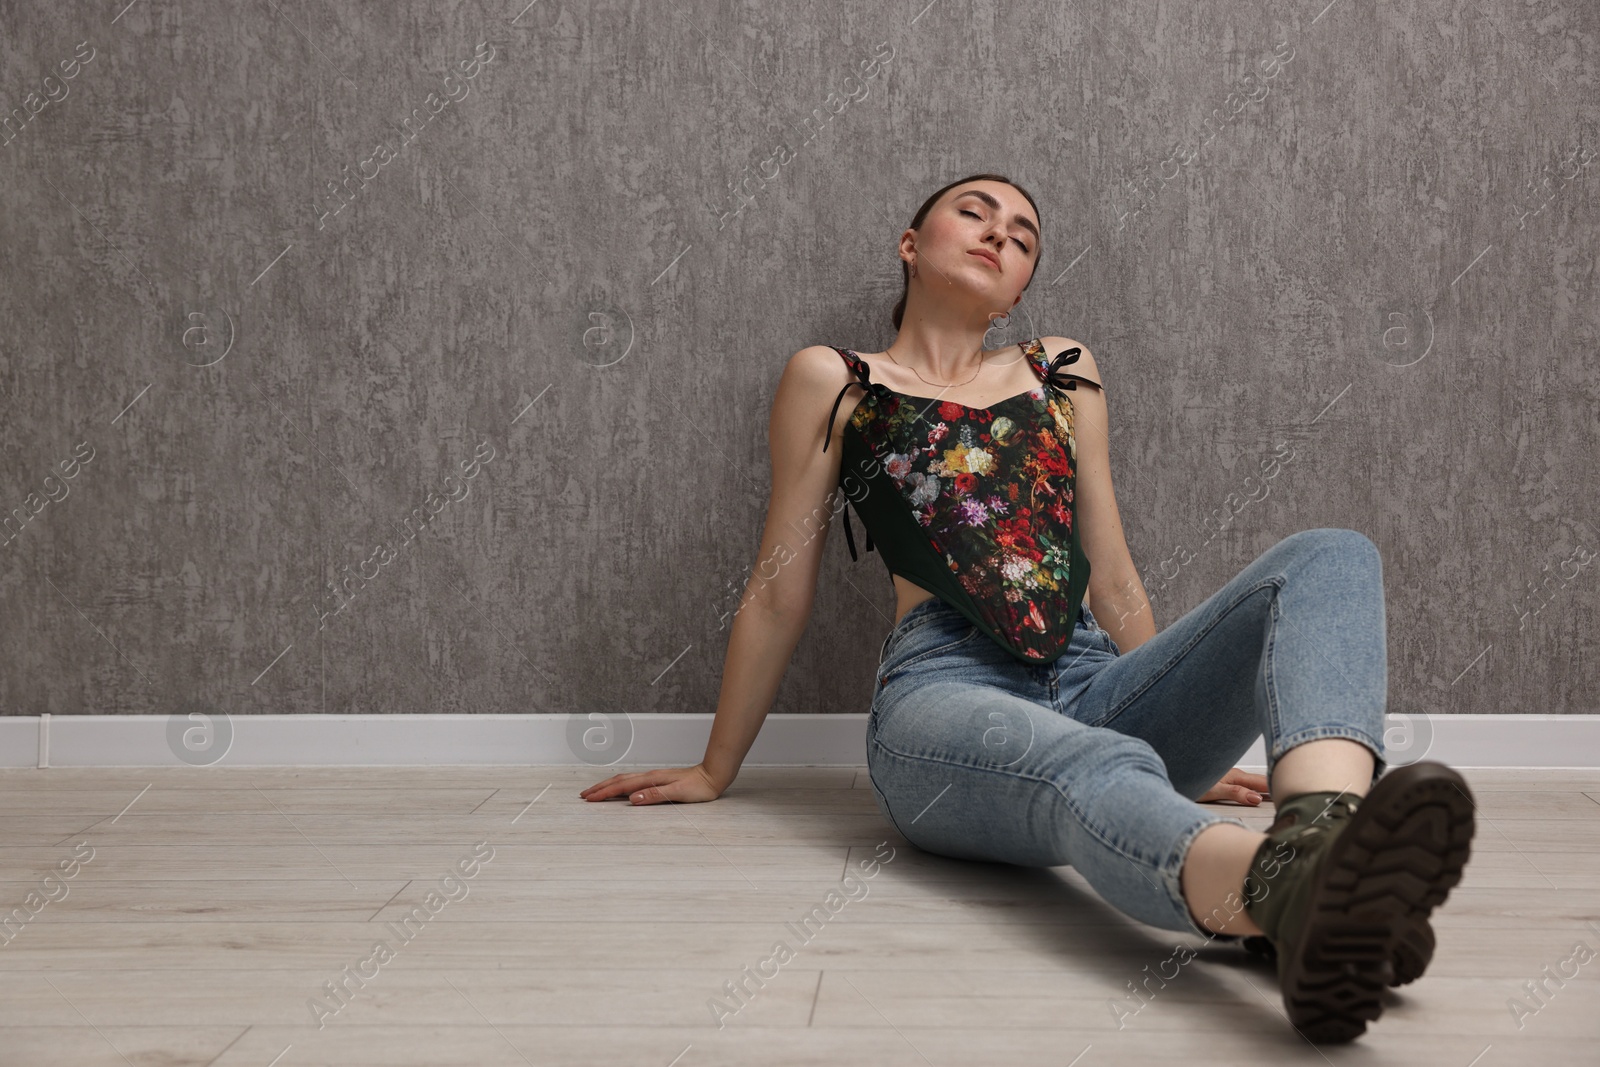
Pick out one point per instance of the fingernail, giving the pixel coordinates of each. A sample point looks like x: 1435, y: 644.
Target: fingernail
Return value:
x: 1254, y: 798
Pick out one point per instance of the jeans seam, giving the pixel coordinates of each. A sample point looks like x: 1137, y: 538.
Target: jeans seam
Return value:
x: 1075, y: 659
x: 1155, y: 676
x: 1317, y: 733
x: 1269, y: 680
x: 887, y: 807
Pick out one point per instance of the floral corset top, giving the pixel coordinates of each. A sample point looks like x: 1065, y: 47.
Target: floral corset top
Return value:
x: 975, y: 505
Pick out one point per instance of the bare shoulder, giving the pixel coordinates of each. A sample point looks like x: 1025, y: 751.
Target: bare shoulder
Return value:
x: 812, y: 379
x: 1083, y: 365
x: 817, y: 366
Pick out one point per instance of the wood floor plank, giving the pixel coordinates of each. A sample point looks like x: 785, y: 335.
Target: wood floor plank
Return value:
x: 1199, y: 998
x: 691, y: 861
x: 292, y: 800
x: 880, y: 1047
x: 529, y: 778
x: 959, y: 937
x: 658, y: 824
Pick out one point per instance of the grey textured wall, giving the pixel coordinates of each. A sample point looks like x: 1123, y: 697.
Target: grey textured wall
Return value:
x: 278, y: 274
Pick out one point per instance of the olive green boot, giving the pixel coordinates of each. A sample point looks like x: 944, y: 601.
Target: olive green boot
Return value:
x: 1283, y: 873
x: 1412, y: 952
x: 1343, y: 885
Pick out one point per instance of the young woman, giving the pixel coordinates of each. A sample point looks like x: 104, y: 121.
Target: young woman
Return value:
x: 1007, y: 724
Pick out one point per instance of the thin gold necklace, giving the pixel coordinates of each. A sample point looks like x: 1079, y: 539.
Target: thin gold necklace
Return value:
x: 941, y: 385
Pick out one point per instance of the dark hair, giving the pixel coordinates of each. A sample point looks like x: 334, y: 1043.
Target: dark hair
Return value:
x: 922, y: 213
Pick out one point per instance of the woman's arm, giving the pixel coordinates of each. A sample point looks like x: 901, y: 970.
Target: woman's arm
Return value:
x: 776, y: 604
x: 1116, y: 595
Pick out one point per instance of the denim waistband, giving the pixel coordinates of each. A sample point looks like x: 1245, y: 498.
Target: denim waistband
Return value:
x: 934, y: 605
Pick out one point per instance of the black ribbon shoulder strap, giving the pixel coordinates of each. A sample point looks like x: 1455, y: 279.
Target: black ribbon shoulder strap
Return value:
x: 864, y: 380
x: 1058, y: 377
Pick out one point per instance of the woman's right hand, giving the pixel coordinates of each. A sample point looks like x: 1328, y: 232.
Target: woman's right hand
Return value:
x: 684, y: 785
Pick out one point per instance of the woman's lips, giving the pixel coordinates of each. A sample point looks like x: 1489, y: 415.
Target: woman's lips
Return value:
x: 987, y: 257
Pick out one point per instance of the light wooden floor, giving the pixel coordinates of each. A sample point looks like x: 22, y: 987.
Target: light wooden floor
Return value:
x: 217, y: 903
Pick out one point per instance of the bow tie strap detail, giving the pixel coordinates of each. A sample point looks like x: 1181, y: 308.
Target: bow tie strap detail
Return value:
x: 864, y: 380
x: 1054, y: 372
x: 1058, y: 377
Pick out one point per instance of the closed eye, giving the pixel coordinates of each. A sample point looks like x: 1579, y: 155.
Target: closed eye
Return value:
x: 1020, y: 243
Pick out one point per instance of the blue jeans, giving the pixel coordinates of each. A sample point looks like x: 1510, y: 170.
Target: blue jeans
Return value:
x: 1095, y: 759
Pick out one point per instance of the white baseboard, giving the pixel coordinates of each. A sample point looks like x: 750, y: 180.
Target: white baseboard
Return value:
x: 832, y: 740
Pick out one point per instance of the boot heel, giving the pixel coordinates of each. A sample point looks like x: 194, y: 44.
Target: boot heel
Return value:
x: 1408, y: 958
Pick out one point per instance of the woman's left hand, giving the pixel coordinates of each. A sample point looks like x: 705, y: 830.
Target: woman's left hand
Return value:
x: 1239, y: 786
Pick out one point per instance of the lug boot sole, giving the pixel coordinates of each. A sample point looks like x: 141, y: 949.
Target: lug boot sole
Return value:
x: 1396, y: 860
x: 1413, y: 951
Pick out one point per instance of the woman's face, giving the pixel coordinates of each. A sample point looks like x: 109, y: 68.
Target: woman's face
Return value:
x: 980, y: 216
